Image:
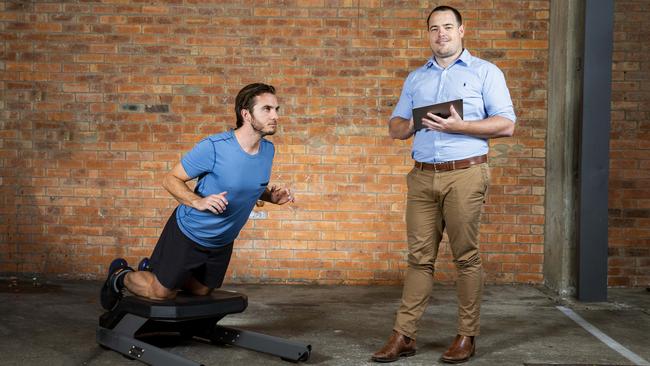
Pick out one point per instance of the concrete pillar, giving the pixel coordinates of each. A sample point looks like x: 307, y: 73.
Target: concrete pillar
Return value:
x: 566, y: 47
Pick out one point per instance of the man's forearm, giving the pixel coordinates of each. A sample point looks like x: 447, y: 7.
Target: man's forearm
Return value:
x: 400, y: 128
x: 179, y: 190
x: 489, y: 128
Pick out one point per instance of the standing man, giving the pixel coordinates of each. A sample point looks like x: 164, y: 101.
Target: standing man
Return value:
x: 233, y: 170
x: 447, y: 186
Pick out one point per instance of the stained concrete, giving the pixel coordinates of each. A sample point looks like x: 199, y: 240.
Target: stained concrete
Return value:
x: 55, y: 325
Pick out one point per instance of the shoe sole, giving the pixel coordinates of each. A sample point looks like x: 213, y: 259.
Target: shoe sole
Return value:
x: 445, y: 360
x: 108, y: 299
x: 387, y: 360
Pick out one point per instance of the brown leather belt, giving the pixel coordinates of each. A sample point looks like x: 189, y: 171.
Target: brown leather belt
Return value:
x: 452, y: 165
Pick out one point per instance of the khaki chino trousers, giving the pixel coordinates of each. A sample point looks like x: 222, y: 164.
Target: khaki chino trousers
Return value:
x: 437, y: 201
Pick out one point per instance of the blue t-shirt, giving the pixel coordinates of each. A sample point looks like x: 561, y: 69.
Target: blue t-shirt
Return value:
x: 222, y: 165
x: 483, y: 89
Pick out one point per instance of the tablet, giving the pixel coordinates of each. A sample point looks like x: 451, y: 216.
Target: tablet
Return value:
x: 440, y: 110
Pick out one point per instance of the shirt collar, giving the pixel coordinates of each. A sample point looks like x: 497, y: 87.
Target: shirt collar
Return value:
x: 465, y: 57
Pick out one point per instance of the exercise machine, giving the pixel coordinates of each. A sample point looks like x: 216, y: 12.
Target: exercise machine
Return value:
x: 126, y: 328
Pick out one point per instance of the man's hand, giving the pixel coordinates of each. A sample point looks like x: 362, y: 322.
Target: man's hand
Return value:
x: 216, y: 203
x: 280, y: 196
x: 489, y: 128
x: 452, y: 124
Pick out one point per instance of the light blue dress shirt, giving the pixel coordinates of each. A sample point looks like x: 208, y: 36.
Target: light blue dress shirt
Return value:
x: 483, y: 89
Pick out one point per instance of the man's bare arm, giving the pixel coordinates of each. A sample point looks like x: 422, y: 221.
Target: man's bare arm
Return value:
x: 175, y: 182
x: 400, y: 128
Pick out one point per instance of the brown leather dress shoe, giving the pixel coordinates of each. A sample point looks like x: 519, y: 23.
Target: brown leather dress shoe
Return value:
x: 460, y: 351
x: 397, y: 346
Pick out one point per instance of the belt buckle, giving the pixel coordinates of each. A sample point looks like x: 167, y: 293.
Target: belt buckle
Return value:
x: 446, y: 166
x: 441, y: 167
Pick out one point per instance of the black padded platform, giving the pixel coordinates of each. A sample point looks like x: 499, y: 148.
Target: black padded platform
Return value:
x: 184, y: 307
x: 126, y: 328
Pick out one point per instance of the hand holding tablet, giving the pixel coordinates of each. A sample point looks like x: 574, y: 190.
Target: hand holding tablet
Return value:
x: 440, y: 109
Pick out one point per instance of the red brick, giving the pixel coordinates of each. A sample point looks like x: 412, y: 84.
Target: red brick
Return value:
x: 337, y: 90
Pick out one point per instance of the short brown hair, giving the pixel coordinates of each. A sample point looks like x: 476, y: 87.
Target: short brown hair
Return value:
x: 459, y: 18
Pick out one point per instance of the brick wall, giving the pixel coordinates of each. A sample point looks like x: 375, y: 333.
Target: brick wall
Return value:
x: 629, y: 178
x: 100, y: 98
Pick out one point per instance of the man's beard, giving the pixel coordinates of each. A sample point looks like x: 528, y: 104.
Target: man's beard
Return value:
x: 260, y: 128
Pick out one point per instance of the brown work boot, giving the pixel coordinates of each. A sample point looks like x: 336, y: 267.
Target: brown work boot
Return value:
x: 397, y: 346
x: 460, y: 351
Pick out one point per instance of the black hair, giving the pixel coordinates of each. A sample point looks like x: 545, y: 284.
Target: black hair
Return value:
x: 459, y: 18
x: 246, y: 99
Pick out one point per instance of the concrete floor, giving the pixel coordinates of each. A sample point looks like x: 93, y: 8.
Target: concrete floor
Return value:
x: 55, y: 325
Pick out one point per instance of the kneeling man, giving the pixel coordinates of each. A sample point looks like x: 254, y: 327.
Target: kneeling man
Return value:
x: 233, y: 170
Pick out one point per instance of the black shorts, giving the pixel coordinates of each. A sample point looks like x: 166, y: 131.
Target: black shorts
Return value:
x: 176, y: 257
